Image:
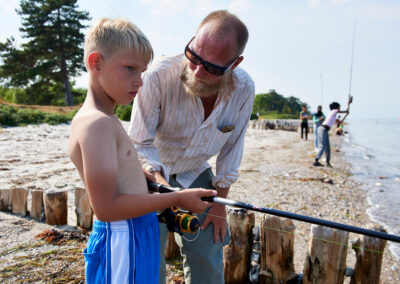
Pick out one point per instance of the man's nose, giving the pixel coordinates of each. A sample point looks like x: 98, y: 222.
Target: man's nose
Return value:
x: 199, y: 71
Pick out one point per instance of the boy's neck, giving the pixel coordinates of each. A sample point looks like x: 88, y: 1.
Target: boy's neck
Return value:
x: 97, y: 98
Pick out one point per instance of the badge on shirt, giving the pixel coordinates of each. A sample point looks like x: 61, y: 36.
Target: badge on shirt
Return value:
x: 227, y: 128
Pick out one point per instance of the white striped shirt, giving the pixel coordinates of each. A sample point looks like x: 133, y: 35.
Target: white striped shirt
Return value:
x: 168, y: 128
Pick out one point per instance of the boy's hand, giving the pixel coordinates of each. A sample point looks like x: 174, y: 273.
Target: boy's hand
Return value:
x: 190, y: 199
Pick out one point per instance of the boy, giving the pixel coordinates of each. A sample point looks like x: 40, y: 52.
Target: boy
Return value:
x: 124, y: 244
x: 323, y: 135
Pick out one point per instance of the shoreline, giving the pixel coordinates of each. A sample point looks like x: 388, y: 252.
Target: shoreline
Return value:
x: 276, y: 171
x: 288, y: 173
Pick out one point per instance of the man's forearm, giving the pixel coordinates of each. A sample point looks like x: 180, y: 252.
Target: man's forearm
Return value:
x: 222, y: 192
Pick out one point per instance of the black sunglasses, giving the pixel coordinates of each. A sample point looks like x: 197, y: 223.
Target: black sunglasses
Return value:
x: 211, y: 68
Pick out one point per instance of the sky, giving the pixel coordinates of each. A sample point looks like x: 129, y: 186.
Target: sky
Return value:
x: 300, y: 48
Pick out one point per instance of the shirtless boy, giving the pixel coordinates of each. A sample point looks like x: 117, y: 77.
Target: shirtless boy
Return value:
x: 124, y: 244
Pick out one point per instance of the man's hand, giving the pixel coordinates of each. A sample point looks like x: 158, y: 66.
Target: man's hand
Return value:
x: 217, y: 216
x: 149, y: 176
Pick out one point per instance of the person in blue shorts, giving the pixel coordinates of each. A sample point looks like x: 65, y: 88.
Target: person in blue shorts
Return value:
x: 124, y: 244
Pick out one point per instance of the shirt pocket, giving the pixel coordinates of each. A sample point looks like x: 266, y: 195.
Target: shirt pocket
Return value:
x: 219, y: 140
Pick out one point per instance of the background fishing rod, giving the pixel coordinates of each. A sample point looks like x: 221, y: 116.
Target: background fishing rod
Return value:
x: 381, y: 235
x: 352, y: 55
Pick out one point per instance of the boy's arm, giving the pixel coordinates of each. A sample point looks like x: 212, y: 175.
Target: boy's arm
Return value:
x: 341, y: 121
x: 348, y: 107
x: 100, y: 166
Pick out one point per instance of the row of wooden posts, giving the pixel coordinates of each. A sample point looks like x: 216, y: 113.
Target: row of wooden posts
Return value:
x: 51, y: 206
x: 261, y: 249
x: 280, y: 124
x: 267, y: 256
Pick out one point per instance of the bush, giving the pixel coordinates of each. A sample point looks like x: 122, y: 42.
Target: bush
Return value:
x: 253, y: 116
x: 78, y: 95
x: 55, y: 118
x: 124, y: 112
x: 10, y: 116
x: 28, y: 116
x: 279, y: 116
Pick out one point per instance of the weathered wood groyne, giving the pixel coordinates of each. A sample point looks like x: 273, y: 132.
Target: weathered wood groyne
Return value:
x: 261, y: 249
x: 280, y: 124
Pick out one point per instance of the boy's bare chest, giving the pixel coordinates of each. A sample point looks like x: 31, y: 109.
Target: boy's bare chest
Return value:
x: 131, y: 179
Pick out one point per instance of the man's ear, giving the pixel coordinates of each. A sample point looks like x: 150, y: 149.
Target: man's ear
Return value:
x: 95, y: 60
x: 238, y: 60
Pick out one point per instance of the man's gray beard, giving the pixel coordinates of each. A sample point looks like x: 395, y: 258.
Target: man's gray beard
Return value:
x: 204, y: 89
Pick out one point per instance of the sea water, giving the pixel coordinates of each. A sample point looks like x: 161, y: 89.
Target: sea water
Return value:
x: 372, y: 146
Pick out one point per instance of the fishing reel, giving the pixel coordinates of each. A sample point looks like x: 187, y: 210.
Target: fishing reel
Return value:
x: 179, y: 220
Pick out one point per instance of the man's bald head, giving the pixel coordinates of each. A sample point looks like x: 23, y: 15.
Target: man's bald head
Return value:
x: 223, y: 24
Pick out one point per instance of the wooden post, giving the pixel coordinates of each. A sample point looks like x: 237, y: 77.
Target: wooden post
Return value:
x: 255, y: 255
x: 237, y: 252
x: 171, y: 249
x: 55, y: 207
x: 37, y: 204
x: 369, y: 252
x: 326, y: 258
x: 83, y: 210
x: 19, y: 200
x: 277, y: 250
x: 5, y: 200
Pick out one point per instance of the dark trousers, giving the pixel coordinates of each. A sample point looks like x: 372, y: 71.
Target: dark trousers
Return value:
x: 304, y: 126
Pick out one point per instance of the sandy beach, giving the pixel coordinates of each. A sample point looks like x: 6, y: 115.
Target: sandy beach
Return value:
x: 276, y: 171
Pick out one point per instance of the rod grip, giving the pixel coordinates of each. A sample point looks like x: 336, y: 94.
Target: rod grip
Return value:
x: 208, y: 198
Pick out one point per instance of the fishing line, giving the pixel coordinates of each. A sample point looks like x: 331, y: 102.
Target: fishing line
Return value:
x: 195, y: 238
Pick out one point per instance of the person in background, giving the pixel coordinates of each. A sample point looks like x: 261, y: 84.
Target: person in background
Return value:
x: 191, y: 107
x: 339, y: 126
x: 318, y: 118
x: 304, y: 116
x: 323, y: 135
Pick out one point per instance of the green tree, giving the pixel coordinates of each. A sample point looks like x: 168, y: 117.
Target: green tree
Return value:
x: 53, y: 51
x: 273, y: 102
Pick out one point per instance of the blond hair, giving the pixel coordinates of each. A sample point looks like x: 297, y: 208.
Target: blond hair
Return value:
x: 109, y: 36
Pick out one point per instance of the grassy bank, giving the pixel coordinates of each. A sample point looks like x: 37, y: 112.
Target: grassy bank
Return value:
x: 22, y: 115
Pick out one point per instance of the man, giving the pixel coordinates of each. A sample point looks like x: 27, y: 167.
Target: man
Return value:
x: 191, y: 107
x: 304, y: 116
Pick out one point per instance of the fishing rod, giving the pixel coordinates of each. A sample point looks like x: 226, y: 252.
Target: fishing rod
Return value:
x: 381, y: 235
x: 352, y: 56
